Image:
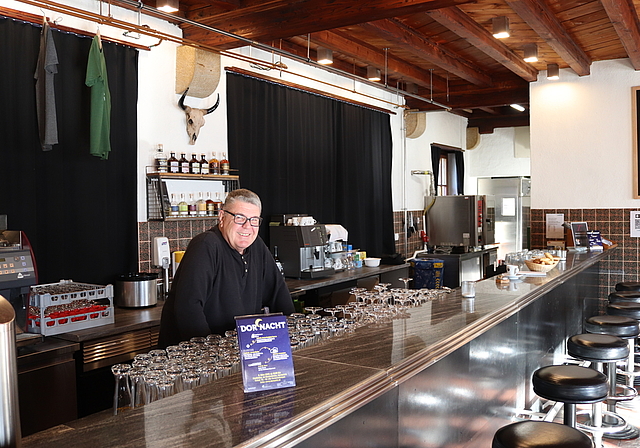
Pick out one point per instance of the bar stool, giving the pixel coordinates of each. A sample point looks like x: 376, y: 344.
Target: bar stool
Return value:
x: 570, y: 385
x: 533, y: 434
x: 625, y: 328
x: 624, y: 296
x: 628, y: 286
x: 601, y: 349
x: 631, y: 310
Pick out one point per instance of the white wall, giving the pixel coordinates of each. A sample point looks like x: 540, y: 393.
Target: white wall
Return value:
x: 582, y: 138
x: 442, y: 127
x: 496, y: 155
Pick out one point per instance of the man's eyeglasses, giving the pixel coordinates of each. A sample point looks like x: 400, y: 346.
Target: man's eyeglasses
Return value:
x: 241, y: 219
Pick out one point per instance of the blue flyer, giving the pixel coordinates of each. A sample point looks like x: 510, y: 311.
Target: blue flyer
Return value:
x: 265, y: 352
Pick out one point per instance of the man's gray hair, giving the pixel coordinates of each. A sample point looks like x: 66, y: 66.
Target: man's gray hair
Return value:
x: 242, y: 195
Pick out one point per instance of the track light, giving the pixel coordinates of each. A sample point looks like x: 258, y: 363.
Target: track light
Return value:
x: 500, y: 27
x: 530, y: 53
x: 553, y: 72
x: 518, y: 107
x: 373, y: 74
x: 325, y: 56
x: 168, y: 5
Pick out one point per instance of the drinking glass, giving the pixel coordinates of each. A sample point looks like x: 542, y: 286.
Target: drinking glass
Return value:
x: 406, y: 281
x: 122, y: 396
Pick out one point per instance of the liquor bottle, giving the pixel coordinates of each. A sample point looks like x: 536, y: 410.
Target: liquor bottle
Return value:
x: 204, y: 165
x: 194, y: 165
x: 277, y: 260
x: 217, y: 204
x: 224, y: 164
x: 193, y: 209
x: 214, y: 165
x: 175, y: 208
x: 183, y: 207
x: 201, y: 205
x: 210, y: 205
x: 161, y: 159
x: 174, y: 164
x: 184, y: 164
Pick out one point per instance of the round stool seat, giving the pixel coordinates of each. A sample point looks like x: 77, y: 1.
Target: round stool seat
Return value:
x: 628, y: 286
x: 621, y: 326
x: 534, y: 434
x: 570, y: 384
x: 624, y: 296
x: 597, y: 347
x: 628, y: 309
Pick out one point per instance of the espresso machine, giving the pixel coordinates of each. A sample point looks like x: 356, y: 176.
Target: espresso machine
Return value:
x: 18, y: 273
x: 301, y: 249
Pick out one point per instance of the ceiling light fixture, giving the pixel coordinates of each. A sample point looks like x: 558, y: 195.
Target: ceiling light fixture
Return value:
x: 500, y: 27
x: 168, y: 5
x: 530, y: 53
x: 518, y: 107
x: 325, y: 56
x: 553, y: 72
x: 373, y: 74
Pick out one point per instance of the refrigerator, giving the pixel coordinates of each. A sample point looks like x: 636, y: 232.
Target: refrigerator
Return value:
x: 512, y: 211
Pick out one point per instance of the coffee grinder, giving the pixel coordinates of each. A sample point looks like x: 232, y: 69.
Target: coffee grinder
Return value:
x: 301, y: 249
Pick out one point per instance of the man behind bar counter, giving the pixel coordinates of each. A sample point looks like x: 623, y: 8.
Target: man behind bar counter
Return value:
x: 224, y: 273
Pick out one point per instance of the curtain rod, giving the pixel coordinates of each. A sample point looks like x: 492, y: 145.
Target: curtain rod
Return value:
x: 248, y: 73
x: 37, y: 20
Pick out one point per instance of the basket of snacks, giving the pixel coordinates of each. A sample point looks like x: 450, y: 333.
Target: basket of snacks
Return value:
x: 542, y: 264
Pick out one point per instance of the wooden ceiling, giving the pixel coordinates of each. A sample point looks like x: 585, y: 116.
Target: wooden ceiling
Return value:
x: 440, y: 50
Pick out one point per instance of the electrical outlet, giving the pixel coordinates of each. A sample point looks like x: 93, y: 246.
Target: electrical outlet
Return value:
x: 396, y: 236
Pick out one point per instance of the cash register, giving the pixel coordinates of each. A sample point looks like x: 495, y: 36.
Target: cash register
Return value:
x: 18, y: 273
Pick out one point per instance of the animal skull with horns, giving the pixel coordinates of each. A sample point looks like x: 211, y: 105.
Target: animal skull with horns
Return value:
x: 195, y: 117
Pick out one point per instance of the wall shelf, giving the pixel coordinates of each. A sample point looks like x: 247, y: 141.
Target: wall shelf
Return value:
x: 158, y: 191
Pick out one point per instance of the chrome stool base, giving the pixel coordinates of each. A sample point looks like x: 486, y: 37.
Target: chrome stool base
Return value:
x: 628, y: 433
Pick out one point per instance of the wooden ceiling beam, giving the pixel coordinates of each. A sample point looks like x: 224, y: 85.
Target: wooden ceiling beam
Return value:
x: 275, y: 19
x: 543, y: 21
x: 412, y: 41
x: 361, y: 51
x: 464, y: 26
x: 624, y: 18
x: 486, y: 125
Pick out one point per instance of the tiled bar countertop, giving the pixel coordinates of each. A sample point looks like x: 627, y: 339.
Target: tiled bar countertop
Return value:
x: 333, y: 377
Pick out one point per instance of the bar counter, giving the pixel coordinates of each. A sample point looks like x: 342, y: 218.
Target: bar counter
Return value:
x: 447, y: 375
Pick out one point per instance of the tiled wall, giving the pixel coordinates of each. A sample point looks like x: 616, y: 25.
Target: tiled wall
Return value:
x: 179, y: 233
x: 613, y: 224
x: 400, y: 228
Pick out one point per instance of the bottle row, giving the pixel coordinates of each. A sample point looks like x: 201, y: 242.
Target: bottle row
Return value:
x: 190, y: 207
x: 190, y: 166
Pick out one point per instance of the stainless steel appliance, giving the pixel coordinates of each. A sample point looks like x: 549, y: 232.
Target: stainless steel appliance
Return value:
x: 512, y: 212
x: 10, y: 434
x: 461, y: 221
x: 137, y: 290
x: 301, y: 250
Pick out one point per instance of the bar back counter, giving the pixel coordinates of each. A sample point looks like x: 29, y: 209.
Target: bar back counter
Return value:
x: 448, y: 375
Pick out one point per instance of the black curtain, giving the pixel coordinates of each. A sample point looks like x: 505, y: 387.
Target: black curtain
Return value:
x: 79, y: 212
x: 304, y: 153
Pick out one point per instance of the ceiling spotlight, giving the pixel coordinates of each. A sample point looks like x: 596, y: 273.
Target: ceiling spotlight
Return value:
x: 553, y: 72
x: 168, y: 5
x: 325, y: 56
x: 500, y: 27
x: 373, y: 74
x: 530, y: 53
x: 518, y: 107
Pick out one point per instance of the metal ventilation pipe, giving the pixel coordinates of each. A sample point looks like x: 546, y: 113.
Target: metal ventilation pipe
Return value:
x: 10, y: 435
